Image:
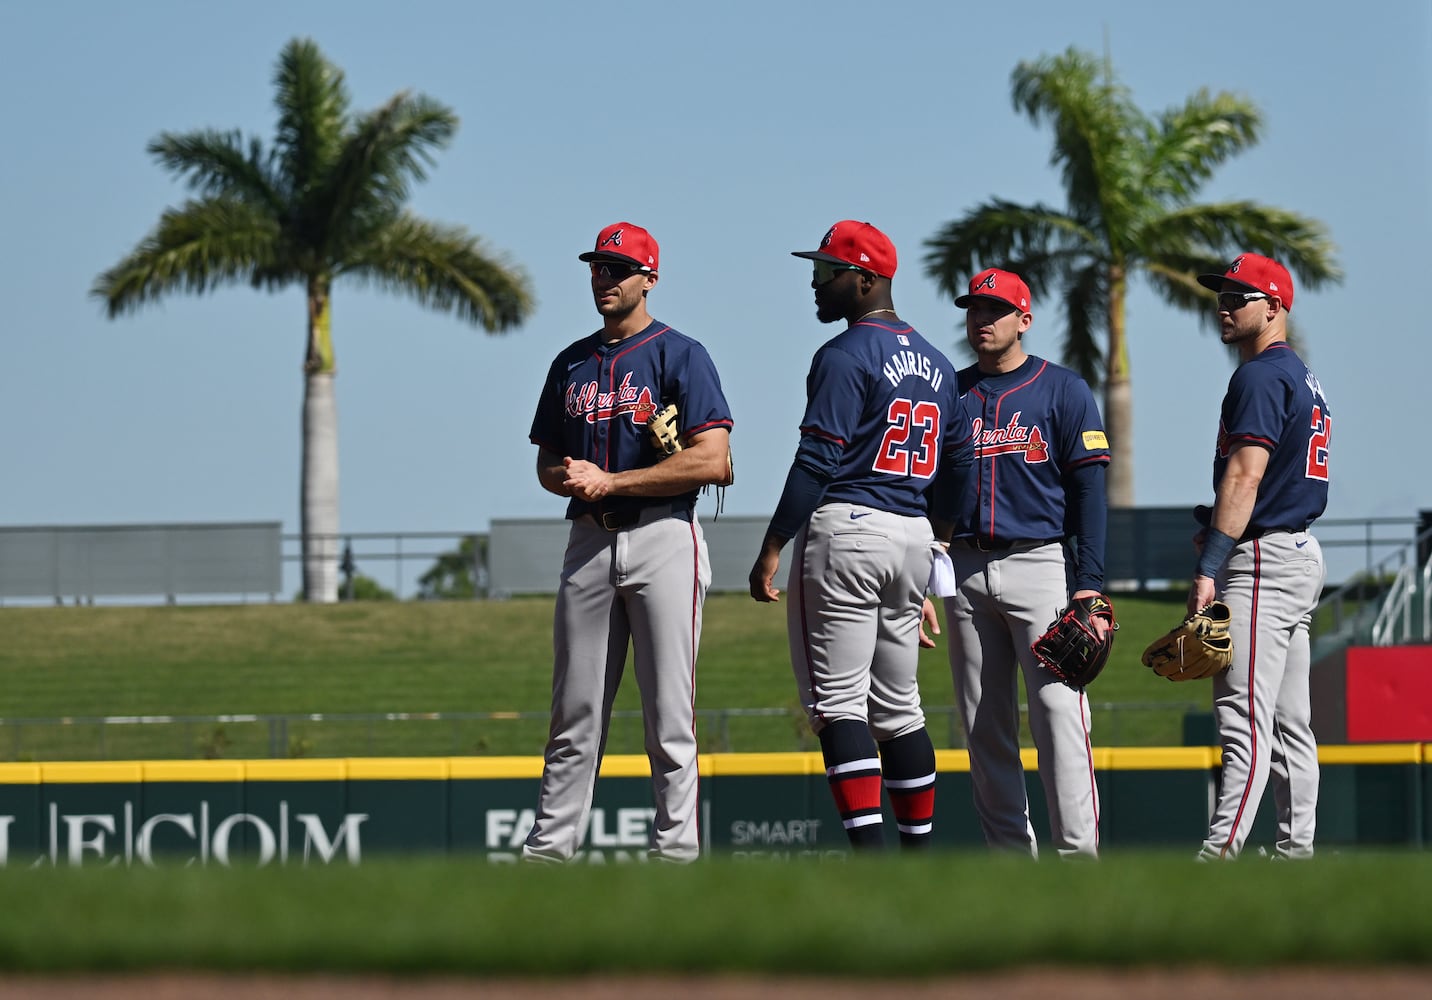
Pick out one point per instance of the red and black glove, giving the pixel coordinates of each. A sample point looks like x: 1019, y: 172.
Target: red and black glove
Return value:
x: 1071, y: 647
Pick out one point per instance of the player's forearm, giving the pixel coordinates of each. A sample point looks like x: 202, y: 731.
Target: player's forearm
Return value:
x: 702, y: 463
x: 1232, y: 510
x: 552, y: 474
x: 1234, y: 507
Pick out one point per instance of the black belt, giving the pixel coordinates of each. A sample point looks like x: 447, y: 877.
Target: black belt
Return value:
x: 616, y: 520
x: 986, y: 544
x: 1258, y: 531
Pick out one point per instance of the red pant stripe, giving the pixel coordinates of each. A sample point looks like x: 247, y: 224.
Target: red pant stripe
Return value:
x: 1252, y: 701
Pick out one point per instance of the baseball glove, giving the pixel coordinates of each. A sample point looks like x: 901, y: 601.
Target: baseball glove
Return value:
x: 1071, y: 647
x: 1199, y: 646
x: 661, y: 426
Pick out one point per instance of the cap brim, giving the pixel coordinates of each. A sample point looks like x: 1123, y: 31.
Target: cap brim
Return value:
x: 620, y: 258
x: 1214, y: 282
x: 964, y: 300
x: 818, y: 255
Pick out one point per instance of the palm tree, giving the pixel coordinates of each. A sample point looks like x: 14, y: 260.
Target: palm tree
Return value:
x: 1130, y: 180
x: 456, y: 575
x: 325, y: 201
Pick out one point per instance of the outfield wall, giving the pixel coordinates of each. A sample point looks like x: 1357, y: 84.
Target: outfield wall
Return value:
x: 755, y: 806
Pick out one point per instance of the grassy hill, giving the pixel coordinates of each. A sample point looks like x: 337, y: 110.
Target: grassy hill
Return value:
x: 482, y: 668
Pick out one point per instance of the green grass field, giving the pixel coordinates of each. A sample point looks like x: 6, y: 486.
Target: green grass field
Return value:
x: 903, y: 917
x: 909, y: 918
x: 429, y: 657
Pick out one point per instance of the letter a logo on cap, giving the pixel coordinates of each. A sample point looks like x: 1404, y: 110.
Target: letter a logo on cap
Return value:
x: 615, y: 239
x: 987, y: 283
x: 1237, y: 263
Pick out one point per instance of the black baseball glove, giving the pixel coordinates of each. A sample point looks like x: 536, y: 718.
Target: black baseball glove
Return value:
x: 1071, y: 647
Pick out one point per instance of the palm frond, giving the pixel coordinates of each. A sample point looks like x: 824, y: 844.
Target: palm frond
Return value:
x: 1085, y: 316
x: 216, y: 164
x: 388, y: 150
x: 1198, y: 239
x: 444, y: 268
x: 1176, y: 283
x: 1187, y: 143
x: 312, y: 102
x: 1299, y: 243
x: 202, y: 245
x: 1096, y: 129
x: 1034, y: 241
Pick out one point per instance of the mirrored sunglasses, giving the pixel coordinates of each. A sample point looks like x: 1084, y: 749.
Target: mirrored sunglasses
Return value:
x: 824, y: 270
x: 611, y: 270
x: 1233, y: 301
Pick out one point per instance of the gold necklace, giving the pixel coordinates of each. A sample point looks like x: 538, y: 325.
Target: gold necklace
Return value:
x: 874, y: 311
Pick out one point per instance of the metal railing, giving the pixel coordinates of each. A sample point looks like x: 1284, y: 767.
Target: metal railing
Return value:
x: 1390, y: 603
x: 397, y: 554
x: 396, y: 560
x: 1400, y: 619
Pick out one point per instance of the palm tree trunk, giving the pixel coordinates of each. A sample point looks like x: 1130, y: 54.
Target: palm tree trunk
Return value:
x: 1119, y: 399
x: 1119, y: 420
x: 319, y: 501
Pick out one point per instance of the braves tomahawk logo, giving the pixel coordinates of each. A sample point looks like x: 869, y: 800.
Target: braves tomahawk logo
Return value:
x: 614, y: 238
x: 1011, y: 439
x: 587, y: 401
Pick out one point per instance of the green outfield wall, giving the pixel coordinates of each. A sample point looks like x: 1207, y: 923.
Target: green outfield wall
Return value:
x: 753, y: 806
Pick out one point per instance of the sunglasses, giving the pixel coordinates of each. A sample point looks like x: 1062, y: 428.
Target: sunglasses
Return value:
x: 1233, y: 301
x: 824, y: 270
x: 612, y: 271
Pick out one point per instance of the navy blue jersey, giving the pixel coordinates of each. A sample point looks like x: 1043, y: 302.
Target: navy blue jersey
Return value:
x: 885, y: 399
x: 1275, y: 402
x: 598, y: 397
x: 1030, y: 427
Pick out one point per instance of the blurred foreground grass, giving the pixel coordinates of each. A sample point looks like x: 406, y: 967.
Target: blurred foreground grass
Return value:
x: 912, y: 916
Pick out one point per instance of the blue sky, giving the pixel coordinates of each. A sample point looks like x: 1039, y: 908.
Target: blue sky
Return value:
x: 736, y: 132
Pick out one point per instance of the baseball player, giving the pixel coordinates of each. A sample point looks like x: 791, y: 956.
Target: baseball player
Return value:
x: 880, y: 425
x: 1270, y: 479
x: 636, y: 567
x: 1040, y: 455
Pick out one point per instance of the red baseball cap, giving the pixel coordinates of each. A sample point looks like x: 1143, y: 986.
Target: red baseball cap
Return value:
x: 858, y: 243
x: 1002, y: 286
x: 1257, y: 274
x: 629, y: 244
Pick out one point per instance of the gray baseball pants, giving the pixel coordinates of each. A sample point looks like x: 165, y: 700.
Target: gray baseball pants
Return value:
x: 644, y: 586
x: 1262, y: 703
x: 855, y: 588
x: 1005, y: 601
